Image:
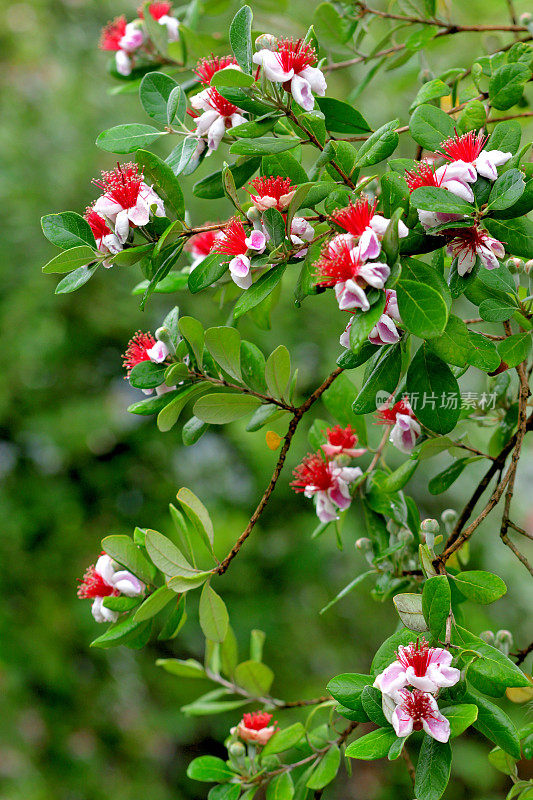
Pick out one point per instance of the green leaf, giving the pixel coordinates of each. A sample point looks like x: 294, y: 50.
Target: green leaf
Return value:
x: 214, y: 618
x: 506, y: 86
x: 207, y: 272
x: 503, y: 763
x: 169, y: 415
x: 423, y: 311
x: 254, y: 676
x: 382, y: 375
x: 128, y: 138
x: 154, y: 93
x: 147, y: 375
x: 409, y: 608
x: 278, y: 372
x: 280, y: 787
x: 347, y: 589
x: 454, y: 345
x: 387, y: 651
x: 153, y: 405
x: 430, y: 91
x: 372, y: 745
x: 506, y: 190
x: 499, y: 279
x: 166, y: 556
x: 284, y: 739
x: 224, y: 344
x: 494, y: 723
x: 193, y: 430
x: 258, y: 291
x: 341, y: 117
x: 70, y: 259
x: 122, y: 549
x: 209, y: 769
x: 430, y: 379
x: 505, y: 136
x: 460, y: 717
x: 67, y: 229
x: 154, y: 603
x: 363, y: 323
x: 433, y: 769
x: 379, y: 146
x: 326, y: 769
x: 515, y: 348
x: 219, y: 408
x: 284, y: 165
x: 441, y: 482
x: 492, y: 672
x: 266, y: 146
x: 496, y: 309
x: 176, y: 109
x: 240, y: 37
x: 212, y: 187
x: 120, y: 632
x: 479, y: 586
x: 184, y: 583
x: 516, y: 234
x: 371, y: 698
x: 483, y: 353
x: 275, y: 226
x: 436, y: 600
x: 193, y: 332
x: 198, y: 515
x: 232, y: 77
x: 429, y: 127
x: 165, y: 180
x: 433, y: 198
x: 348, y: 689
x: 253, y: 367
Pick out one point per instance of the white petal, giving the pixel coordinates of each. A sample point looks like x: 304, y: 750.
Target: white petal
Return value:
x: 272, y: 66
x: 301, y: 91
x: 316, y: 80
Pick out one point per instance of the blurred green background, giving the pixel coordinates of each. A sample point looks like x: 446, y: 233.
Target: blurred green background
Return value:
x: 84, y: 724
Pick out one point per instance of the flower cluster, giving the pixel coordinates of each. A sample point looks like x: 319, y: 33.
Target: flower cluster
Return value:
x: 277, y: 192
x: 386, y: 330
x: 107, y: 579
x: 324, y: 477
x: 234, y: 242
x: 143, y: 347
x: 130, y: 41
x: 255, y: 728
x: 466, y: 160
x: 292, y: 64
x: 405, y: 428
x: 127, y: 202
x: 426, y: 670
x: 218, y: 114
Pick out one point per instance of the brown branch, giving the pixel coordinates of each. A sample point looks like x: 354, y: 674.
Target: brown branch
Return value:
x: 449, y: 26
x: 409, y: 764
x: 521, y: 655
x: 265, y: 398
x: 298, y: 414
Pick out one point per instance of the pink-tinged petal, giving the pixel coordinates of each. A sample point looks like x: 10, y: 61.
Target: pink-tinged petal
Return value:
x: 101, y: 613
x: 497, y: 247
x: 388, y: 704
x: 325, y: 510
x: 385, y: 332
x: 349, y: 474
x: 457, y: 170
x: 301, y: 228
x: 401, y: 722
x: 215, y: 133
x: 391, y: 305
x: 200, y: 102
x: 403, y: 230
x: 375, y: 273
x: 465, y: 262
x: 301, y: 91
x: 440, y: 656
x: 344, y: 339
x: 337, y: 496
x: 262, y: 203
x: 239, y: 266
x: 392, y: 679
x: 122, y: 226
x: 140, y: 213
x: 422, y: 682
x: 437, y: 726
x: 460, y: 189
x: 369, y: 245
x: 105, y: 567
x: 272, y: 66
x: 442, y: 676
x: 488, y: 259
x: 428, y: 219
x: 124, y: 67
x: 285, y: 200
x: 110, y: 243
x: 256, y: 241
x: 486, y: 166
x: 350, y: 295
x: 133, y: 38
x: 315, y: 79
x: 237, y: 119
x: 158, y: 352
x: 204, y: 122
x: 379, y: 224
x: 173, y: 27
x: 127, y: 584
x: 332, y: 450
x: 354, y: 452
x: 108, y: 207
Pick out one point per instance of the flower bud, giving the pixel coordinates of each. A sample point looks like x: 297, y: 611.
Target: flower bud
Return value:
x: 364, y: 544
x: 514, y: 263
x: 236, y: 750
x: 487, y: 637
x: 266, y: 42
x: 528, y: 266
x: 449, y: 516
x: 405, y: 535
x: 253, y: 215
x: 429, y: 526
x: 504, y: 641
x: 163, y: 335
x: 526, y: 18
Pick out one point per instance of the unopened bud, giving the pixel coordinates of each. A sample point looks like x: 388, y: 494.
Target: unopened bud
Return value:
x: 236, y: 749
x: 526, y: 18
x: 514, y: 263
x: 266, y: 42
x: 405, y: 535
x: 528, y: 266
x: 253, y: 215
x: 163, y: 335
x: 449, y: 516
x: 429, y: 526
x: 504, y: 641
x: 364, y: 544
x: 487, y: 637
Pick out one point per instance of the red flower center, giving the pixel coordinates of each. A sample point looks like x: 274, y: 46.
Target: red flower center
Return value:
x: 422, y: 175
x: 112, y: 34
x: 202, y: 243
x: 313, y: 471
x: 467, y: 240
x: 97, y: 223
x: 417, y: 704
x: 387, y: 414
x: 295, y: 55
x: 122, y: 184
x: 156, y: 9
x: 416, y: 655
x: 136, y: 350
x: 231, y: 241
x: 338, y: 263
x: 356, y: 217
x: 206, y: 67
x: 257, y: 720
x: 93, y: 585
x: 270, y: 186
x: 463, y: 148
x: 342, y: 437
x: 220, y: 104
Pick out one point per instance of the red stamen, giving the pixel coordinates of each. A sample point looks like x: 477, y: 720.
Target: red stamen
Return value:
x: 467, y: 240
x: 422, y: 175
x: 202, y: 243
x: 418, y: 705
x: 122, y: 184
x: 313, y: 471
x: 295, y: 55
x: 231, y: 240
x: 337, y: 263
x: 112, y: 34
x: 343, y: 437
x: 257, y: 720
x: 97, y: 223
x: 464, y: 148
x: 270, y: 186
x: 207, y: 67
x: 387, y: 414
x: 356, y: 217
x: 93, y: 585
x: 220, y: 104
x: 416, y: 655
x: 156, y: 9
x: 136, y: 350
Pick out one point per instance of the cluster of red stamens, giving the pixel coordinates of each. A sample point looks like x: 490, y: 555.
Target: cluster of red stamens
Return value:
x: 112, y: 34
x: 202, y: 243
x: 416, y: 655
x: 387, y: 414
x: 422, y: 175
x: 122, y: 184
x: 156, y: 9
x: 206, y: 67
x: 355, y: 217
x: 93, y: 585
x: 313, y: 471
x: 417, y: 704
x: 296, y: 55
x: 467, y: 239
x: 136, y: 350
x: 97, y: 223
x: 342, y: 437
x: 257, y: 720
x: 220, y: 104
x: 463, y: 148
x: 338, y: 262
x: 231, y: 240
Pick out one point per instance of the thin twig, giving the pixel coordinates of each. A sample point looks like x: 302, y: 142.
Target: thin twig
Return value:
x: 521, y: 655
